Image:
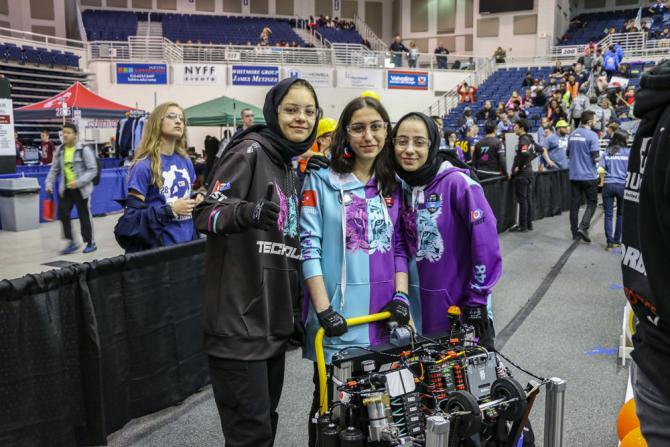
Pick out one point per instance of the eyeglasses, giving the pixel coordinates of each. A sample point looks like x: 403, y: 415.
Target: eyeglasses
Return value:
x: 293, y: 110
x: 358, y: 130
x: 174, y: 116
x: 417, y: 142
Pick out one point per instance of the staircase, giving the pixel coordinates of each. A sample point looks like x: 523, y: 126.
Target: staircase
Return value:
x: 151, y: 29
x: 305, y: 35
x: 366, y: 32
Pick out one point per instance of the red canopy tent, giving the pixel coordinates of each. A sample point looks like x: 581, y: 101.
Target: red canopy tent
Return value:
x: 75, y: 97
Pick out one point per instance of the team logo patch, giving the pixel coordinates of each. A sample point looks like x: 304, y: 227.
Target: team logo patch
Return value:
x: 308, y: 198
x: 476, y: 216
x: 434, y: 203
x: 220, y: 187
x: 389, y: 201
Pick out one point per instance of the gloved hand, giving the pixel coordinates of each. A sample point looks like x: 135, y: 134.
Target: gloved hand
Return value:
x: 334, y: 323
x: 316, y: 162
x: 297, y: 338
x: 262, y: 214
x: 399, y: 308
x: 478, y: 317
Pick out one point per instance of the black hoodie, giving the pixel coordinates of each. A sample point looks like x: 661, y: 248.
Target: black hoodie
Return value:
x: 646, y: 228
x: 253, y: 281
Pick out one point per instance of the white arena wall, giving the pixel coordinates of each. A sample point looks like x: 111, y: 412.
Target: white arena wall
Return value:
x: 332, y: 99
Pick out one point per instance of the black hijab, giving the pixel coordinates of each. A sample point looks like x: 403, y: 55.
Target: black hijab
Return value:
x: 427, y: 172
x: 271, y: 130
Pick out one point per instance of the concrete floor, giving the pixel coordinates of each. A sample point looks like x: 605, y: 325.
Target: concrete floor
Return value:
x: 572, y: 333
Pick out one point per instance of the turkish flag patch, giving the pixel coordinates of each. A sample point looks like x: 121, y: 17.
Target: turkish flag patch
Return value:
x: 389, y: 201
x: 308, y: 198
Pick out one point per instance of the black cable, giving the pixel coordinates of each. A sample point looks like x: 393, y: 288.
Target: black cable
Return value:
x: 541, y: 379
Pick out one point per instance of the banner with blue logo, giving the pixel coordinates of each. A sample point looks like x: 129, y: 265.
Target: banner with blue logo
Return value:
x: 254, y: 75
x: 141, y: 73
x: 318, y: 77
x: 407, y: 80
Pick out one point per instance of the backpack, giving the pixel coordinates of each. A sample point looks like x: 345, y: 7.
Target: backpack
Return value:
x: 98, y: 167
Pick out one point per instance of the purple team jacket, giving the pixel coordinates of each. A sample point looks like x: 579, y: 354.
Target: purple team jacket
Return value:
x: 453, y: 242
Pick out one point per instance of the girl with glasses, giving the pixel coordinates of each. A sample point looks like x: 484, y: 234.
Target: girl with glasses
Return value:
x: 159, y: 205
x: 252, y: 308
x: 449, y: 229
x: 354, y: 258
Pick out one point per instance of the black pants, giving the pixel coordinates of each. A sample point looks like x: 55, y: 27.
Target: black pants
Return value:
x: 577, y: 121
x: 247, y: 395
x: 72, y: 197
x: 577, y: 188
x: 524, y: 197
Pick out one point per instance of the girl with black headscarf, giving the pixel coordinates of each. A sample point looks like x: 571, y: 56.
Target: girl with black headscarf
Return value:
x: 450, y: 231
x: 253, y: 286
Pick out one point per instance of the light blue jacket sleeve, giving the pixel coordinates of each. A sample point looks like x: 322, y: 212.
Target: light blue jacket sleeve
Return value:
x: 311, y: 226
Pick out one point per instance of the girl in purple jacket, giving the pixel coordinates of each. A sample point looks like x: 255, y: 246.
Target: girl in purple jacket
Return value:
x: 450, y: 232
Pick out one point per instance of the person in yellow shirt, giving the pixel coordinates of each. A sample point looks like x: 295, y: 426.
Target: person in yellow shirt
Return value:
x: 75, y: 167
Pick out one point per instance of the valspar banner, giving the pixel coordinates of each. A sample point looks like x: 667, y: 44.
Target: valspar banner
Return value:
x: 407, y: 80
x: 358, y: 78
x: 318, y: 77
x: 199, y: 74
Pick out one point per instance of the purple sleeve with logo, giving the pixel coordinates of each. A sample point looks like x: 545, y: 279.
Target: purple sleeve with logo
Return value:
x: 484, y: 244
x: 399, y: 243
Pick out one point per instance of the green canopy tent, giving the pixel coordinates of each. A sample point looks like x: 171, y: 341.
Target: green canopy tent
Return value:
x: 222, y: 111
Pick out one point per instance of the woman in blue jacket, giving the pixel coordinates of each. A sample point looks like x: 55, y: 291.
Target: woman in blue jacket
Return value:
x: 354, y: 259
x: 615, y: 163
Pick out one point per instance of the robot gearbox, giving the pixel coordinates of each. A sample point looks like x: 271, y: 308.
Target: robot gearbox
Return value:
x: 439, y: 391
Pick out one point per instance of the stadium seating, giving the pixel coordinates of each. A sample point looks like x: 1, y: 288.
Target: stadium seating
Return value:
x: 110, y: 25
x: 26, y: 54
x: 597, y: 23
x: 336, y: 35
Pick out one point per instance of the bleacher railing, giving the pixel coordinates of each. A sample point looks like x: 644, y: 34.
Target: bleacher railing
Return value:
x: 48, y: 42
x: 161, y: 49
x: 366, y: 32
x: 633, y: 44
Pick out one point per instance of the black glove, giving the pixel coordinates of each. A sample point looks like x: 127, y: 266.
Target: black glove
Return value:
x: 262, y: 214
x: 334, y: 323
x: 297, y: 338
x: 399, y: 308
x: 478, y: 317
x: 316, y: 162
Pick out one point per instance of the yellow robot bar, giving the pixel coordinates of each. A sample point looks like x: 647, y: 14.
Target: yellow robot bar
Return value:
x: 321, y: 360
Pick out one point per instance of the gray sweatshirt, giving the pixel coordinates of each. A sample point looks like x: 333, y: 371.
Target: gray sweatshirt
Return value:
x: 85, y: 167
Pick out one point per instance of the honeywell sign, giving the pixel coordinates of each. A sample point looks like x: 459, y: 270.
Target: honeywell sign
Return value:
x: 199, y: 74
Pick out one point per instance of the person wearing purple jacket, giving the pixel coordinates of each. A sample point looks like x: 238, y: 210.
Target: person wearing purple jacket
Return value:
x: 450, y: 232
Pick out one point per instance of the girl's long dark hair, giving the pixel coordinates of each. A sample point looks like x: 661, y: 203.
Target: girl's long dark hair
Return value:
x: 382, y: 167
x: 619, y: 140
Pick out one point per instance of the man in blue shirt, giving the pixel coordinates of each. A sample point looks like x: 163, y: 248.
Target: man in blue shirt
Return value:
x: 583, y: 152
x: 557, y: 145
x: 611, y: 61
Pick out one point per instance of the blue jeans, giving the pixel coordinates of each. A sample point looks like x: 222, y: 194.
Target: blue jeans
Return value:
x: 397, y: 59
x: 612, y: 192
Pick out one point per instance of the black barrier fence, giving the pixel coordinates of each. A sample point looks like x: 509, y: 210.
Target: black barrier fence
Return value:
x: 87, y: 348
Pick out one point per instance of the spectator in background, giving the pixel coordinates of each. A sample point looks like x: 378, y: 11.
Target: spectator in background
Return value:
x: 504, y: 126
x: 587, y: 60
x: 611, y: 64
x: 397, y: 49
x: 580, y: 104
x: 467, y: 92
x: 540, y: 133
x: 597, y: 125
x: 665, y: 34
x: 658, y: 8
x: 247, y: 116
x: 515, y: 97
x: 486, y: 113
x: 608, y: 113
x: 47, y: 148
x: 20, y: 151
x: 528, y: 81
x: 583, y: 152
x: 615, y: 163
x: 500, y: 55
x: 488, y: 156
x: 572, y: 87
x: 555, y: 111
x: 75, y: 167
x: 413, y: 55
x: 465, y: 121
x: 528, y: 99
x: 452, y: 146
x: 366, y: 44
x: 441, y: 54
x: 159, y: 205
x: 598, y: 60
x: 557, y: 71
x: 522, y: 176
x: 439, y: 122
x: 537, y: 93
x: 557, y: 145
x: 211, y: 149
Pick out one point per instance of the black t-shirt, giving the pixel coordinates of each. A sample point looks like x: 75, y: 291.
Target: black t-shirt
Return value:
x: 526, y: 151
x: 489, y: 155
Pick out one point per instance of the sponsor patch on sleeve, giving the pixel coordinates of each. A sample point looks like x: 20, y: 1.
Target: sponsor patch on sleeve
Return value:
x: 308, y: 198
x: 221, y: 186
x: 476, y: 216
